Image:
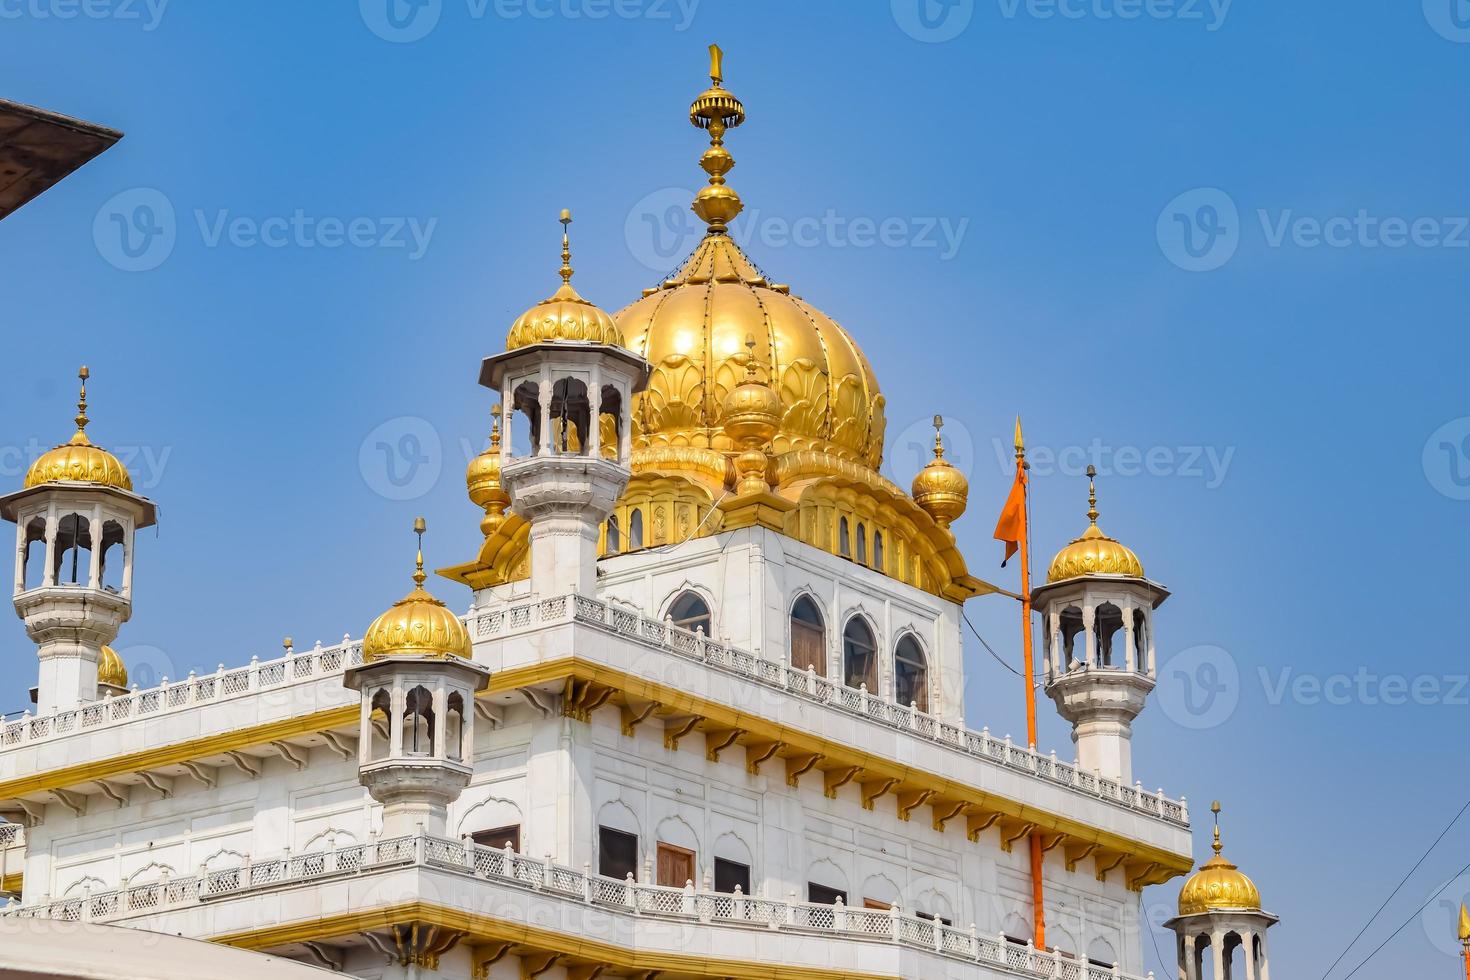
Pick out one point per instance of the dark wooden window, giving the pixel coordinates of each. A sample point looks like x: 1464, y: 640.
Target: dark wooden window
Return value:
x: 808, y: 638
x: 728, y: 874
x: 675, y: 865
x: 497, y: 838
x: 617, y: 854
x: 822, y: 895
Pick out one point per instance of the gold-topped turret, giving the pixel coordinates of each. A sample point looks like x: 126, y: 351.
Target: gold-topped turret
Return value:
x: 483, y: 480
x: 717, y: 111
x: 564, y: 315
x: 1094, y: 553
x: 940, y: 489
x: 1219, y: 886
x: 418, y: 625
x: 111, y: 671
x: 78, y: 460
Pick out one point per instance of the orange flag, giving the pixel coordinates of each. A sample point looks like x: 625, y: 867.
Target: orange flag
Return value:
x: 1011, y: 528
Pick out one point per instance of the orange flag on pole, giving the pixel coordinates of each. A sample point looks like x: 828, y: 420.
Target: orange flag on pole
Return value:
x: 1011, y: 528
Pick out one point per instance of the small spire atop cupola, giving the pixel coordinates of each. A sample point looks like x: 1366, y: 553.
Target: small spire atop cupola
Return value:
x: 941, y: 490
x: 564, y: 315
x: 717, y: 110
x: 419, y: 527
x: 566, y: 246
x: 81, y: 419
x: 1092, y: 514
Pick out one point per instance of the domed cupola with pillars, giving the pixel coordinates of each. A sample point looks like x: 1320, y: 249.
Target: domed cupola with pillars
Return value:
x: 76, y: 518
x: 759, y: 410
x: 1220, y: 917
x: 1097, y: 614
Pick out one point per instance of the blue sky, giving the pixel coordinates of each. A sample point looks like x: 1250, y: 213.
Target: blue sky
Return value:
x: 1220, y: 251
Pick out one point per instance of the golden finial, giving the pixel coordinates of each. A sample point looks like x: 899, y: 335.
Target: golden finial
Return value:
x: 1092, y: 508
x: 1215, y: 809
x: 495, y: 426
x: 1020, y: 442
x: 288, y: 644
x: 81, y: 418
x: 1464, y: 926
x: 717, y: 111
x: 419, y: 527
x: 566, y: 246
x: 938, y: 438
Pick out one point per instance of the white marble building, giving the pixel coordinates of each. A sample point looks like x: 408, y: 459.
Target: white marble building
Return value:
x: 703, y: 717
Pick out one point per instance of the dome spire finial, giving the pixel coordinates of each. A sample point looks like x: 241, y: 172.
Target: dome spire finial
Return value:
x: 81, y: 420
x: 419, y: 527
x: 1092, y: 514
x: 938, y: 438
x: 717, y: 111
x: 1215, y: 809
x: 566, y: 246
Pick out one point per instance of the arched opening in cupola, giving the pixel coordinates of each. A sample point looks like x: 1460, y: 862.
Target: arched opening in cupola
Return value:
x: 380, y: 715
x: 635, y: 530
x: 454, y: 729
x: 524, y: 424
x: 844, y: 538
x: 571, y: 413
x: 610, y: 422
x: 418, y: 722
x: 73, y: 551
x: 1109, y: 626
x: 114, y: 556
x: 614, y: 536
x: 1074, y: 643
x: 35, y: 554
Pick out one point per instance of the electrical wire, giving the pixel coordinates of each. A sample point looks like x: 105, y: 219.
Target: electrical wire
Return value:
x: 989, y: 649
x: 1374, y: 917
x: 1406, y: 922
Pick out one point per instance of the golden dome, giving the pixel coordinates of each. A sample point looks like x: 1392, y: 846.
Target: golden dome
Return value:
x: 939, y: 488
x: 78, y: 461
x: 418, y: 625
x: 693, y: 331
x: 564, y: 315
x: 111, y: 670
x: 1094, y: 553
x: 1219, y: 886
x: 483, y: 480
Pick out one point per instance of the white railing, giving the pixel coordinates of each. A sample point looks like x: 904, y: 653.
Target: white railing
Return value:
x: 222, y: 685
x: 11, y: 835
x: 808, y: 685
x: 540, y: 613
x: 629, y: 897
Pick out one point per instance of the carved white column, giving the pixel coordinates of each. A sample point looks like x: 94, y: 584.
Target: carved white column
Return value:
x: 1089, y: 623
x: 1265, y: 964
x: 50, y: 572
x: 1217, y: 948
x: 20, y: 555
x: 1130, y: 641
x: 441, y: 720
x: 625, y: 426
x: 1248, y: 943
x: 545, y: 447
x: 94, y: 568
x: 395, y: 721
x: 594, y: 413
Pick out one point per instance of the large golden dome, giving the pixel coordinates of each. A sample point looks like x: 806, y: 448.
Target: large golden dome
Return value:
x: 78, y: 461
x: 693, y: 331
x: 1094, y: 553
x: 418, y: 625
x: 564, y: 315
x: 1219, y: 886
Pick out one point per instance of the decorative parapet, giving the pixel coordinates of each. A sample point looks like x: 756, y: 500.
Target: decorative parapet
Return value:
x: 506, y: 868
x: 525, y: 617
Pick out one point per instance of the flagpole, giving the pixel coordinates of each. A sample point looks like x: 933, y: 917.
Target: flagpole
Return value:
x: 1038, y: 888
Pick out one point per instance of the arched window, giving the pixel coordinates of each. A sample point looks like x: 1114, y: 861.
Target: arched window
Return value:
x: 878, y: 551
x: 1101, y: 953
x: 859, y: 655
x: 1074, y: 644
x: 862, y: 543
x: 114, y: 556
x: 1140, y: 639
x: 808, y: 637
x: 570, y: 416
x: 635, y: 530
x: 454, y: 728
x: 911, y: 674
x: 379, y: 719
x: 524, y: 424
x: 609, y: 433
x: 418, y: 722
x: 844, y: 539
x: 614, y: 535
x: 691, y: 612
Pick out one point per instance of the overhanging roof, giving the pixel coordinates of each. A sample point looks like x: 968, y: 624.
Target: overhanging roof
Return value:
x: 39, y: 148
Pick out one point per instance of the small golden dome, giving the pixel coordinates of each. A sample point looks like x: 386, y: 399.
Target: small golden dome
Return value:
x: 752, y: 409
x: 1094, y: 553
x: 78, y: 461
x: 418, y: 625
x: 483, y: 480
x: 940, y: 489
x: 1219, y: 886
x: 111, y: 670
x: 564, y: 315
